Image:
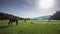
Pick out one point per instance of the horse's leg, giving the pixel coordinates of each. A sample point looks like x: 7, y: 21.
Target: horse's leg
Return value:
x: 9, y: 23
x: 16, y: 22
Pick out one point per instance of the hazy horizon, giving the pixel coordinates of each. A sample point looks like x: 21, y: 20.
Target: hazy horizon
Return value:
x: 29, y: 8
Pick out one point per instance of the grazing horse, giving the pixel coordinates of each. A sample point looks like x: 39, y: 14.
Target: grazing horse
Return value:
x: 13, y: 20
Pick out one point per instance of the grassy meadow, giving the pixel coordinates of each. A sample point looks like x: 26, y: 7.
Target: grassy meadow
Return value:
x: 31, y: 27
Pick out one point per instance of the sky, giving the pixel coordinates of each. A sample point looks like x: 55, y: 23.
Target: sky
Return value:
x: 29, y: 8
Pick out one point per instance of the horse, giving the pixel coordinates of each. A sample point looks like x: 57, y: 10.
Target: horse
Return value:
x: 13, y: 20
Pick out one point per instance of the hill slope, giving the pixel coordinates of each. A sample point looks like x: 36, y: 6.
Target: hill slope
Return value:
x: 42, y: 17
x: 7, y: 16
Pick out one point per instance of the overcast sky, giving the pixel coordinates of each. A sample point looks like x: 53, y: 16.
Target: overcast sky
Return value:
x: 27, y: 8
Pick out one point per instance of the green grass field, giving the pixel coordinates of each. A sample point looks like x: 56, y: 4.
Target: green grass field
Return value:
x: 31, y: 27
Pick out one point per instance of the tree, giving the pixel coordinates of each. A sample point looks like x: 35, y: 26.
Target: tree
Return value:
x: 55, y: 16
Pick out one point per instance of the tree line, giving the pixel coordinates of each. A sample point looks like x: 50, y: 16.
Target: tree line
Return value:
x: 8, y: 16
x: 55, y: 16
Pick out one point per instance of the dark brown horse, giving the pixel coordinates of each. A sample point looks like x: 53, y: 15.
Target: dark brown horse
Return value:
x: 13, y: 20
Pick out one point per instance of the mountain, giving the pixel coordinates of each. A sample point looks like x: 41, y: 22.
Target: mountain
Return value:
x: 42, y: 17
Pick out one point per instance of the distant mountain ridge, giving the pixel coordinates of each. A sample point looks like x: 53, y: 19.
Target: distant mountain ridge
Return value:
x: 42, y: 17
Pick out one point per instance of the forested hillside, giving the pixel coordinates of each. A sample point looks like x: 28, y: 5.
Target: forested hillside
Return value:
x: 56, y: 16
x: 7, y: 16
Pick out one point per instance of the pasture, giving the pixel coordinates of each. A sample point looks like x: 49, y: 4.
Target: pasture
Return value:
x: 31, y: 27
